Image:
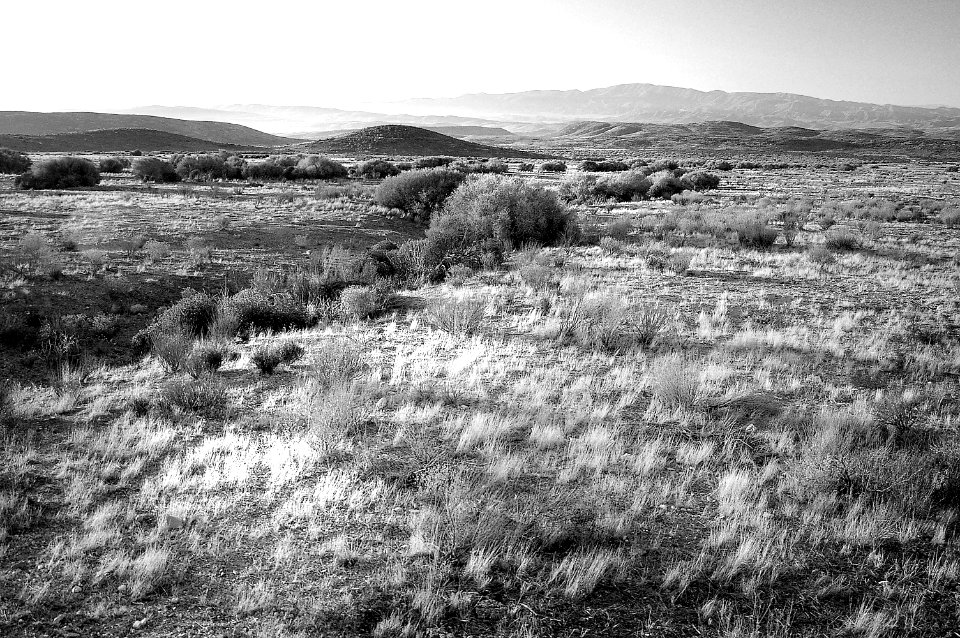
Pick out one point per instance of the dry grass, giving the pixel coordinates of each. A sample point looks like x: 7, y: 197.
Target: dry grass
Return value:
x: 764, y: 447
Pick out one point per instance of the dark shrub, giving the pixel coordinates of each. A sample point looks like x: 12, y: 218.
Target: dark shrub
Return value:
x: 267, y: 357
x: 700, y: 181
x: 205, y: 358
x: 256, y: 310
x: 113, y: 164
x: 274, y: 167
x: 377, y: 169
x: 579, y: 189
x: 494, y: 211
x: 624, y: 186
x: 606, y: 166
x: 61, y: 172
x: 316, y: 167
x: 553, y: 166
x: 154, y: 169
x: 664, y: 185
x: 201, y: 167
x: 419, y: 192
x: 526, y: 166
x: 432, y: 162
x: 663, y: 165
x: 722, y: 165
x: 13, y: 162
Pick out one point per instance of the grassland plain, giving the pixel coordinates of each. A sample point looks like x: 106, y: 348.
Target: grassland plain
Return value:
x: 653, y: 435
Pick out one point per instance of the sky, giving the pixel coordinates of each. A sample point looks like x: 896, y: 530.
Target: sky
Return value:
x: 114, y: 55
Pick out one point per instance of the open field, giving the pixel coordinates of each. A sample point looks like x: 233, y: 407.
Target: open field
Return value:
x: 655, y: 431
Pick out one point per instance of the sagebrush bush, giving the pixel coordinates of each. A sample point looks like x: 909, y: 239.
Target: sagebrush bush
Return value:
x: 268, y: 357
x: 359, y: 302
x: 603, y: 166
x: 664, y: 185
x: 113, y: 164
x: 493, y: 211
x: 154, y: 169
x: 203, y: 168
x: 578, y: 189
x: 700, y: 181
x: 13, y: 162
x: 623, y: 186
x: 432, y: 162
x: 753, y: 230
x: 317, y: 167
x: 206, y: 357
x: 252, y: 309
x: 553, y: 166
x: 457, y: 316
x: 376, y: 169
x: 206, y: 395
x: 61, y: 172
x: 419, y: 192
x: 273, y: 167
x: 842, y: 239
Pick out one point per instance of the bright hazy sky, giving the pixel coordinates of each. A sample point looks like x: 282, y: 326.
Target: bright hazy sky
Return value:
x: 102, y: 55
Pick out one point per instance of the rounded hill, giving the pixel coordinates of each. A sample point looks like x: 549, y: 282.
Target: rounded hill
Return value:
x: 397, y: 139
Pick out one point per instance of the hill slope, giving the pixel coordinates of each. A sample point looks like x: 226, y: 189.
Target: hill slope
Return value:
x: 38, y: 124
x: 111, y: 141
x: 738, y: 137
x: 667, y: 104
x: 395, y: 139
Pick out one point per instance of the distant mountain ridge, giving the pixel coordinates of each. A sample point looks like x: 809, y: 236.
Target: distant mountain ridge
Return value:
x: 396, y: 139
x: 41, y: 124
x: 736, y: 137
x: 672, y: 105
x: 114, y: 140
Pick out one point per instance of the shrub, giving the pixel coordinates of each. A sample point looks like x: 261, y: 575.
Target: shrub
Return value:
x: 492, y: 212
x: 610, y: 166
x: 201, y: 167
x: 457, y: 316
x: 624, y: 186
x: 268, y: 357
x: 253, y: 309
x: 61, y: 172
x: 526, y: 166
x: 663, y: 165
x: 700, y: 181
x: 377, y: 169
x: 553, y: 166
x: 664, y: 185
x: 578, y: 189
x: 420, y: 191
x: 753, y: 230
x: 316, y: 167
x: 950, y: 217
x: 686, y: 198
x: 603, y: 323
x: 206, y: 395
x: 820, y: 255
x: 171, y: 347
x: 113, y: 164
x: 13, y: 162
x: 619, y: 229
x: 432, y: 162
x: 358, y: 302
x: 153, y: 169
x: 205, y: 358
x: 722, y: 165
x: 842, y: 239
x: 274, y: 167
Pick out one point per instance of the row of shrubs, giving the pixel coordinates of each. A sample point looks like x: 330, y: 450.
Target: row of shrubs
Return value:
x: 635, y: 184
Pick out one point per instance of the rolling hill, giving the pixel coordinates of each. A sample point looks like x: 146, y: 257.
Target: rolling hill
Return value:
x: 112, y: 140
x: 43, y: 124
x: 672, y: 105
x: 395, y: 139
x: 736, y: 137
